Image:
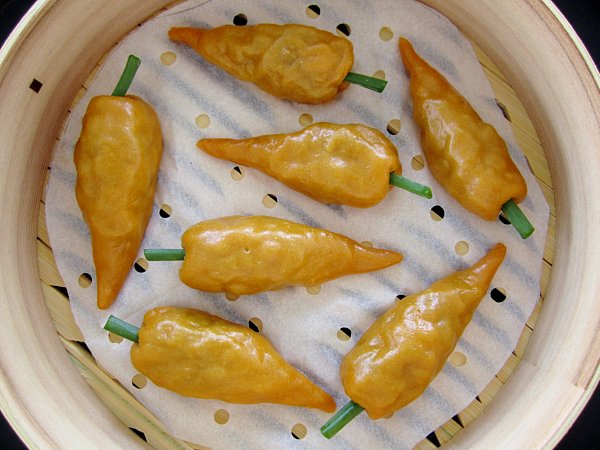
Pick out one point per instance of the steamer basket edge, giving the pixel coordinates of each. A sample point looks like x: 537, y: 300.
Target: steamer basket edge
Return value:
x: 34, y: 367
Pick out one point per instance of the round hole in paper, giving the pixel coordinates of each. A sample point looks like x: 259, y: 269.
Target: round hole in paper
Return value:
x: 168, y: 58
x: 238, y: 173
x: 393, y: 126
x: 437, y: 213
x: 458, y: 359
x: 255, y: 324
x: 231, y: 297
x: 305, y: 119
x: 240, y: 20
x: 141, y: 265
x: 314, y: 290
x: 203, y: 120
x: 165, y: 211
x: 386, y: 34
x: 139, y: 381
x: 114, y: 338
x: 84, y: 280
x: 498, y: 295
x: 400, y: 296
x: 379, y: 74
x: 367, y: 244
x: 299, y: 431
x: 313, y: 11
x: 269, y: 201
x: 221, y: 416
x: 343, y: 29
x: 461, y: 248
x: 503, y: 219
x: 418, y: 162
x: 344, y: 334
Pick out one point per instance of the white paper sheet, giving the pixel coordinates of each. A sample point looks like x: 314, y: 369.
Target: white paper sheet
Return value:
x: 303, y: 327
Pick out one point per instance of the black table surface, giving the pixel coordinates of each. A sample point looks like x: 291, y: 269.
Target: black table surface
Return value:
x: 585, y: 19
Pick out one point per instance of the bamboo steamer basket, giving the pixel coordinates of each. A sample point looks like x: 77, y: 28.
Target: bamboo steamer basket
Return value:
x: 541, y: 74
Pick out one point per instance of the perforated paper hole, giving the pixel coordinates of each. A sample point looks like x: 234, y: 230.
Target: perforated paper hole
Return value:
x: 238, y: 173
x: 299, y: 431
x: 203, y: 120
x: 240, y: 20
x: 231, y: 297
x: 344, y: 334
x: 498, y: 295
x: 139, y: 381
x: 343, y: 29
x: 165, y: 211
x: 461, y: 248
x: 313, y: 11
x: 314, y: 290
x: 84, y: 280
x: 305, y: 119
x: 417, y: 163
x: 386, y: 34
x: 141, y: 265
x: 379, y: 74
x: 221, y: 416
x: 437, y: 213
x: 168, y: 58
x: 114, y: 338
x: 255, y: 324
x: 269, y: 201
x: 393, y: 126
x: 458, y: 359
x: 503, y: 219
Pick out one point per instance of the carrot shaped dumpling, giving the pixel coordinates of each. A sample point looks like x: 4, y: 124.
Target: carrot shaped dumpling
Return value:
x: 196, y: 354
x: 465, y: 155
x: 294, y: 62
x: 250, y: 254
x: 336, y: 164
x: 117, y: 158
x: 402, y: 352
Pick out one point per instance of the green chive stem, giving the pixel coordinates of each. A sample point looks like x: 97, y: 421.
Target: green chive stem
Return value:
x: 514, y: 214
x: 133, y: 62
x: 375, y: 84
x: 410, y: 186
x: 121, y: 328
x: 340, y: 419
x: 164, y: 254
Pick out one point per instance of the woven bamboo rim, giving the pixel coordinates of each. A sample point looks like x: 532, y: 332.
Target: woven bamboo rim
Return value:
x: 46, y: 399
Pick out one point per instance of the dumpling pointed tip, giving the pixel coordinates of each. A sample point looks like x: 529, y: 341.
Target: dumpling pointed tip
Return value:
x: 328, y: 405
x: 105, y: 300
x: 408, y: 54
x: 490, y: 262
x: 369, y: 259
x: 497, y: 252
x: 186, y: 35
x: 499, y: 248
x: 213, y: 146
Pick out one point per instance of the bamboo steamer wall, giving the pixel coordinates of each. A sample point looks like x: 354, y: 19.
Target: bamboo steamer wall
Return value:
x: 59, y: 42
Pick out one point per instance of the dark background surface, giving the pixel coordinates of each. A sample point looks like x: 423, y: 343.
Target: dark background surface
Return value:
x: 585, y: 18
